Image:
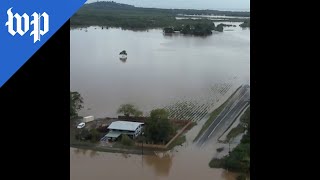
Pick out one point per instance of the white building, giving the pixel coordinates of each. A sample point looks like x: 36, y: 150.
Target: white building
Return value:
x: 132, y: 129
x: 88, y: 119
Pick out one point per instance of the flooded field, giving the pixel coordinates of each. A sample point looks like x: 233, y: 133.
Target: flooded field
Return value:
x: 161, y: 71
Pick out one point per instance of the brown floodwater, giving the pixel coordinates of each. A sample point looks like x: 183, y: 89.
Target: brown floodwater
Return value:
x: 159, y: 72
x: 184, y: 164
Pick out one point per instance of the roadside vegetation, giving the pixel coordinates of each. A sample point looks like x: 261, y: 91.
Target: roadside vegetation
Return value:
x: 239, y: 158
x: 244, y: 121
x: 112, y: 14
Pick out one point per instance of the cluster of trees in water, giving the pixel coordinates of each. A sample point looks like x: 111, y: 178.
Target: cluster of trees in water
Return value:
x: 198, y: 29
x: 239, y: 159
x: 111, y: 14
x: 245, y: 24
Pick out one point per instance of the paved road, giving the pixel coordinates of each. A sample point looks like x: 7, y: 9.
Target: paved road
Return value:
x: 236, y: 104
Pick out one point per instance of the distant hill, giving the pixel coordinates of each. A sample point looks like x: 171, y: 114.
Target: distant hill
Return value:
x: 112, y: 14
x: 105, y: 5
x: 108, y: 5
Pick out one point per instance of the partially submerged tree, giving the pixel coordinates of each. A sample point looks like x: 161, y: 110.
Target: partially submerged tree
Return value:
x: 168, y: 30
x: 129, y: 109
x: 158, y: 127
x: 123, y: 52
x: 75, y: 103
x: 219, y: 28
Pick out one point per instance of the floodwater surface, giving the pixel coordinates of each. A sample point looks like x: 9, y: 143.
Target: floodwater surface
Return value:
x: 159, y: 69
x: 175, y: 72
x: 87, y: 164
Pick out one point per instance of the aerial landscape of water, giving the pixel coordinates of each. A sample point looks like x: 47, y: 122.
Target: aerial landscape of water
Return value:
x: 161, y: 71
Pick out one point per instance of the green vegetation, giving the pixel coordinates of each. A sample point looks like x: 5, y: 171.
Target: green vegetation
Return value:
x: 216, y: 163
x: 241, y: 177
x: 129, y: 109
x: 75, y: 103
x: 219, y: 28
x: 91, y: 135
x: 168, y: 30
x: 244, y: 122
x: 245, y: 24
x: 111, y: 14
x: 158, y: 127
x: 126, y: 140
x: 220, y: 149
x: 123, y: 52
x: 239, y: 159
x: 227, y: 25
x: 235, y: 132
x: 199, y: 29
x: 213, y: 116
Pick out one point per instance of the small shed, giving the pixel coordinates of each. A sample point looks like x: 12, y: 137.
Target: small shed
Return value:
x: 88, y: 119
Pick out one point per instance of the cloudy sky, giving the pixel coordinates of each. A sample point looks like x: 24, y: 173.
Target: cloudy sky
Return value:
x: 240, y: 5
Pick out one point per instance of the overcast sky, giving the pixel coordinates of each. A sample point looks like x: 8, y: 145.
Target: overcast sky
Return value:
x: 240, y: 5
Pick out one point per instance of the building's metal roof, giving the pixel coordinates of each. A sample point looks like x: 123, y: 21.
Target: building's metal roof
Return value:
x: 113, y: 134
x: 124, y: 125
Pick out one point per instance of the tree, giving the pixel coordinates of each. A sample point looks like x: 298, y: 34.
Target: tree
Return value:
x: 168, y: 30
x: 245, y: 24
x: 158, y: 127
x: 126, y: 140
x: 186, y: 29
x: 123, y: 52
x: 219, y: 28
x: 75, y: 103
x: 129, y: 109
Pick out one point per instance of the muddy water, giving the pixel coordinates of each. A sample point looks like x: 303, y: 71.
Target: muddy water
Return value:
x: 183, y: 162
x: 158, y: 70
x: 176, y: 165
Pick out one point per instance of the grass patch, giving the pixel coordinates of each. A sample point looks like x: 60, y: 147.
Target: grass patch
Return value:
x: 179, y: 141
x: 238, y: 159
x: 216, y: 163
x: 235, y: 132
x: 214, y: 115
x: 220, y: 149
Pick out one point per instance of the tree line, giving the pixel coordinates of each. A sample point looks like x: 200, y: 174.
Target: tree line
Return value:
x: 111, y: 14
x: 198, y: 29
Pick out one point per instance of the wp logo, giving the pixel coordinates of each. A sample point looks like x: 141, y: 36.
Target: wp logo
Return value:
x: 23, y: 24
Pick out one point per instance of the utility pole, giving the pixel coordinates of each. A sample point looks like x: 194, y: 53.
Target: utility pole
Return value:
x: 142, y: 145
x: 142, y: 137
